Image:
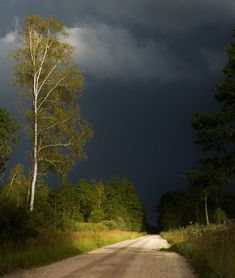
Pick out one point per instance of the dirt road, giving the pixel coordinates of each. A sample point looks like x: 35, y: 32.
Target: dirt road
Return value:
x: 138, y: 258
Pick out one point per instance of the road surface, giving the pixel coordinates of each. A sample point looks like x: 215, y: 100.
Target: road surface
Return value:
x: 137, y: 258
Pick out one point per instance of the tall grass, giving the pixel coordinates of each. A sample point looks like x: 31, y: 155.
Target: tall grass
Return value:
x: 53, y: 246
x: 211, y: 249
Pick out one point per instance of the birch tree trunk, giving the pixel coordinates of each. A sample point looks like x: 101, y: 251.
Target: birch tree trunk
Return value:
x: 206, y: 208
x: 35, y: 157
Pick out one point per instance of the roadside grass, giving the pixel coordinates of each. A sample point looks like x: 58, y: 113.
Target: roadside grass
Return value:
x: 210, y: 249
x: 54, y: 246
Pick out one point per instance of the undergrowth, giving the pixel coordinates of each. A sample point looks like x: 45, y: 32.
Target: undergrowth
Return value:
x: 210, y: 249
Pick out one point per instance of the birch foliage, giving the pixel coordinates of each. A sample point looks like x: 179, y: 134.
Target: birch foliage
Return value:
x: 48, y: 79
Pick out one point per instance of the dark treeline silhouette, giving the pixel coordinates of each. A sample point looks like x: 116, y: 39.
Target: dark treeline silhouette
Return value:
x: 181, y: 208
x: 215, y: 133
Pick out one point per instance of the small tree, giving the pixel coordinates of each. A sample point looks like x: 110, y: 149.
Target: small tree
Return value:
x: 51, y: 84
x: 16, y: 187
x: 220, y: 215
x: 8, y: 129
x: 208, y: 178
x: 200, y: 181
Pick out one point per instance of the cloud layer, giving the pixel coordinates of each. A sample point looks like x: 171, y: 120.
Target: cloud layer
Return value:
x: 132, y: 41
x: 162, y: 15
x: 112, y: 52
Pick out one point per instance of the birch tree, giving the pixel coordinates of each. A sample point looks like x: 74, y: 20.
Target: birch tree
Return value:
x: 50, y: 83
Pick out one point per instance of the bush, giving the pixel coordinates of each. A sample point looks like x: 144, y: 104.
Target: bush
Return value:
x: 91, y: 227
x: 14, y: 223
x: 110, y: 224
x: 96, y: 216
x: 220, y: 216
x: 121, y: 224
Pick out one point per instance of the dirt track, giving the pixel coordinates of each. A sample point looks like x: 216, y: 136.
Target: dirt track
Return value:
x: 138, y: 258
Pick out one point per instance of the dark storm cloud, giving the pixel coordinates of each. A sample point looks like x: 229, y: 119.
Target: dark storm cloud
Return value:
x: 165, y: 15
x: 108, y: 45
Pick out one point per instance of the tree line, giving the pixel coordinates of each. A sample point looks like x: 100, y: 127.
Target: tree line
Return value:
x: 205, y: 200
x: 113, y: 204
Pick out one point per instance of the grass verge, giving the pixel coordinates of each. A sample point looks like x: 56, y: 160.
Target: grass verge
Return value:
x: 210, y: 249
x: 55, y: 246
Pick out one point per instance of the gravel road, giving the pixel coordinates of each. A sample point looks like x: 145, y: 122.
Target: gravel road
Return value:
x: 137, y: 258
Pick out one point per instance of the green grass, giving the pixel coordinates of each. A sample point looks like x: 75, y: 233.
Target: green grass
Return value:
x: 50, y: 247
x: 210, y: 249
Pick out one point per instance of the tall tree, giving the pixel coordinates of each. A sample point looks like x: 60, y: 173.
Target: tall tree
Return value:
x: 47, y: 77
x: 215, y: 132
x: 8, y: 136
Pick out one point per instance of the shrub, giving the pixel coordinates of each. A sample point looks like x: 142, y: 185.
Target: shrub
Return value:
x: 96, y: 216
x: 220, y: 216
x: 121, y: 224
x: 110, y: 224
x: 14, y: 223
x: 83, y: 227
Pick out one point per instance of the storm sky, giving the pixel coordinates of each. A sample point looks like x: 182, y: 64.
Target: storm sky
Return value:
x: 149, y: 65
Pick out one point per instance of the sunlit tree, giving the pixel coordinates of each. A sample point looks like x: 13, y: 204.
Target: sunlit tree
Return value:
x: 50, y: 84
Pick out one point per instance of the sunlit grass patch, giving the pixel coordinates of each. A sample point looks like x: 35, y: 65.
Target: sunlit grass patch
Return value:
x: 50, y: 247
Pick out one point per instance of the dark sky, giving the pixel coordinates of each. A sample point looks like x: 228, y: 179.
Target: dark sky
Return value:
x: 149, y: 65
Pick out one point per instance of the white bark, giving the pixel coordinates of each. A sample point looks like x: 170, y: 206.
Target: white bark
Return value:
x: 11, y: 183
x: 35, y: 164
x: 38, y: 62
x: 206, y: 208
x: 35, y: 130
x: 35, y: 148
